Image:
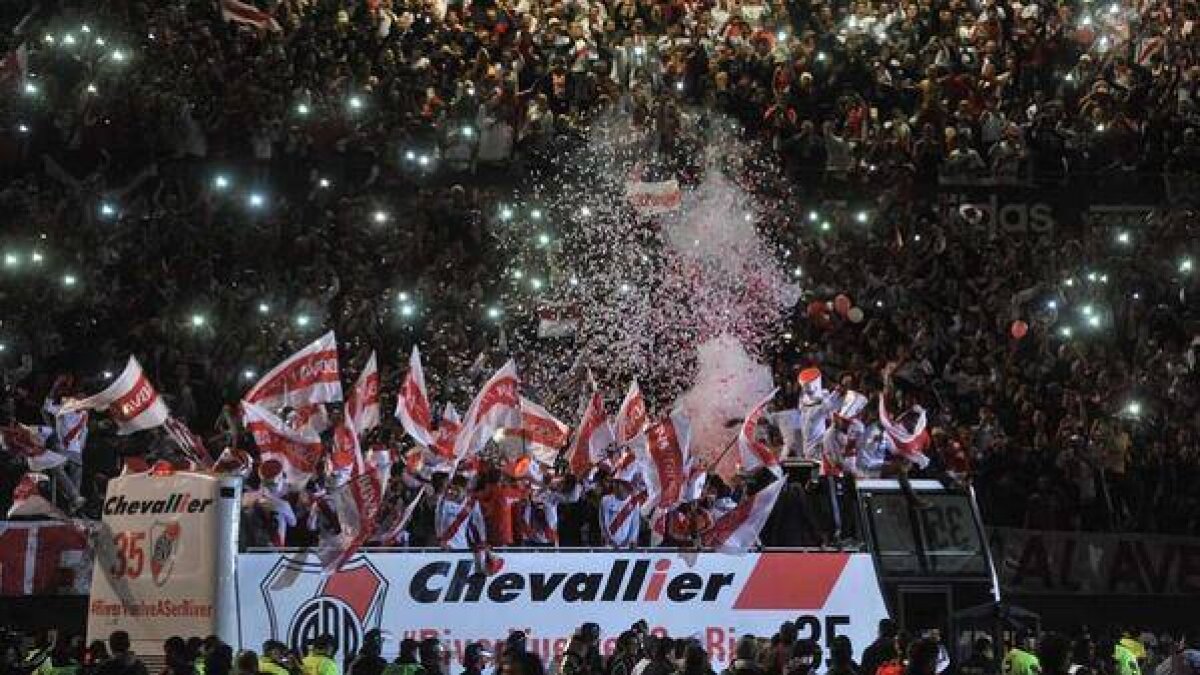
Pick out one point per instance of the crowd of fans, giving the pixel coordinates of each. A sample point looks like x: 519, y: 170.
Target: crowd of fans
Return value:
x: 638, y: 650
x: 208, y: 195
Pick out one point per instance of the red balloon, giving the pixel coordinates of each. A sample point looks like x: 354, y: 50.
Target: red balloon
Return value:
x: 1018, y: 329
x: 841, y: 303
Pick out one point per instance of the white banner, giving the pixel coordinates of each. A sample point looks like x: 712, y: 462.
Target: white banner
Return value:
x: 548, y: 594
x: 157, y: 558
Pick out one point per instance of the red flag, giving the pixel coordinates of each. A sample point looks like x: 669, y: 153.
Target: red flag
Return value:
x: 663, y: 451
x: 737, y: 531
x: 753, y: 453
x: 309, y: 376
x: 908, y: 444
x: 131, y: 400
x: 543, y: 434
x: 496, y: 406
x: 592, y: 438
x: 245, y: 13
x: 412, y: 405
x: 358, y: 504
x: 362, y: 407
x: 631, y: 416
x: 22, y: 440
x: 299, y: 451
x: 447, y: 432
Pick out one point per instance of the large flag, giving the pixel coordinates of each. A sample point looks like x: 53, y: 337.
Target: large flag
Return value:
x: 132, y: 402
x: 737, y: 531
x: 22, y: 440
x: 663, y: 452
x: 412, y: 405
x: 358, y: 504
x: 299, y: 450
x: 908, y: 444
x: 307, y: 377
x: 496, y: 406
x: 593, y: 436
x: 631, y: 416
x: 753, y: 453
x: 362, y: 407
x: 447, y: 432
x: 246, y: 13
x: 543, y: 434
x: 28, y: 502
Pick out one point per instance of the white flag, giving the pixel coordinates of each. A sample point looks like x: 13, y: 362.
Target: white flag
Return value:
x: 631, y: 416
x: 753, y: 453
x: 362, y: 407
x: 737, y: 531
x: 309, y: 376
x: 496, y: 406
x: 132, y: 402
x: 412, y: 405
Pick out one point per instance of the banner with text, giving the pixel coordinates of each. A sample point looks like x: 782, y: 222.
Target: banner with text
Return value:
x: 1088, y: 563
x: 713, y: 597
x: 44, y: 557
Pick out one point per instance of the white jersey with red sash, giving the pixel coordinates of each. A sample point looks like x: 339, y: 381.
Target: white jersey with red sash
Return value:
x: 71, y: 428
x: 621, y: 520
x: 460, y: 525
x: 540, y: 515
x: 839, y: 449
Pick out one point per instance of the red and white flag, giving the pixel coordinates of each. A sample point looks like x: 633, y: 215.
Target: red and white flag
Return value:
x: 14, y: 66
x: 558, y: 320
x: 29, y: 442
x: 299, y: 450
x: 412, y: 405
x: 753, y: 453
x: 362, y: 407
x: 631, y: 416
x: 245, y: 13
x: 1148, y: 48
x: 191, y: 444
x: 496, y: 406
x: 543, y: 434
x: 592, y: 438
x: 28, y: 502
x: 132, y: 402
x: 307, y: 377
x: 695, y: 478
x: 737, y: 531
x: 447, y: 433
x: 358, y: 504
x: 654, y: 198
x: 908, y: 444
x: 663, y: 452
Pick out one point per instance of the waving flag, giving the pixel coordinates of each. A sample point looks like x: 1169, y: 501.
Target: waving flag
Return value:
x: 299, y: 451
x: 592, y: 438
x: 753, y: 453
x: 28, y: 502
x: 22, y: 440
x: 307, y: 377
x: 447, y: 432
x: 412, y: 405
x: 543, y: 434
x: 737, y: 531
x: 631, y: 416
x: 132, y: 402
x: 663, y: 452
x: 496, y: 406
x: 362, y: 407
x: 248, y: 14
x: 908, y: 444
x: 358, y: 504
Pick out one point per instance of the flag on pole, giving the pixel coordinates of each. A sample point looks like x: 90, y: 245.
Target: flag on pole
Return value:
x: 592, y: 438
x: 447, y: 433
x: 663, y: 452
x: 188, y: 442
x: 412, y: 405
x: 357, y: 503
x: 753, y: 453
x: 631, y: 416
x: 362, y: 407
x: 908, y: 444
x: 543, y: 434
x: 737, y: 532
x: 496, y: 406
x: 131, y: 400
x: 299, y: 450
x: 309, y: 376
x: 245, y: 13
x: 694, y: 480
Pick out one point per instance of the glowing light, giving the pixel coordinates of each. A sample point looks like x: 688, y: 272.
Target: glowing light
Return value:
x: 1069, y: 77
x: 379, y: 217
x: 356, y: 102
x: 813, y: 216
x: 1136, y: 295
x: 263, y: 308
x: 1123, y: 237
x: 1069, y: 282
x: 821, y: 56
x: 221, y: 182
x: 1185, y: 265
x: 518, y: 274
x: 303, y: 320
x: 536, y: 214
x: 36, y: 257
x: 825, y: 226
x: 1051, y: 304
x: 423, y: 160
x: 1133, y: 408
x: 48, y: 39
x: 85, y: 28
x: 1065, y: 331
x: 781, y: 35
x: 797, y: 272
x: 1087, y: 310
x: 68, y: 39
x: 23, y: 128
x: 324, y: 183
x: 118, y: 55
x: 248, y: 374
x: 11, y: 260
x: 506, y: 213
x: 407, y: 310
x: 108, y: 375
x: 879, y: 304
x: 256, y: 200
x: 100, y: 42
x: 585, y: 212
x: 625, y: 288
x: 68, y: 280
x: 679, y: 86
x: 198, y: 320
x: 91, y: 89
x: 749, y: 217
x: 31, y: 88
x: 543, y: 239
x: 1094, y: 321
x: 494, y: 313
x: 1099, y: 128
x: 574, y: 281
x: 1114, y: 9
x: 107, y: 209
x: 402, y: 296
x: 1091, y: 277
x: 861, y: 216
x: 301, y: 109
x: 410, y: 156
x: 468, y: 132
x: 536, y: 283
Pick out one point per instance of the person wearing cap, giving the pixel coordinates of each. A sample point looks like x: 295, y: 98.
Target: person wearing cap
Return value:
x: 319, y: 660
x: 274, y: 656
x: 368, y: 660
x: 815, y: 406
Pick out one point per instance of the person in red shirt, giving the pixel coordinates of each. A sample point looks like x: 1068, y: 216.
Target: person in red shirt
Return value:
x: 497, y: 496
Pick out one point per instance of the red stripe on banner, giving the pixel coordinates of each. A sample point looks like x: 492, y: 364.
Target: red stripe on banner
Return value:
x: 791, y: 582
x: 136, y: 401
x: 306, y: 371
